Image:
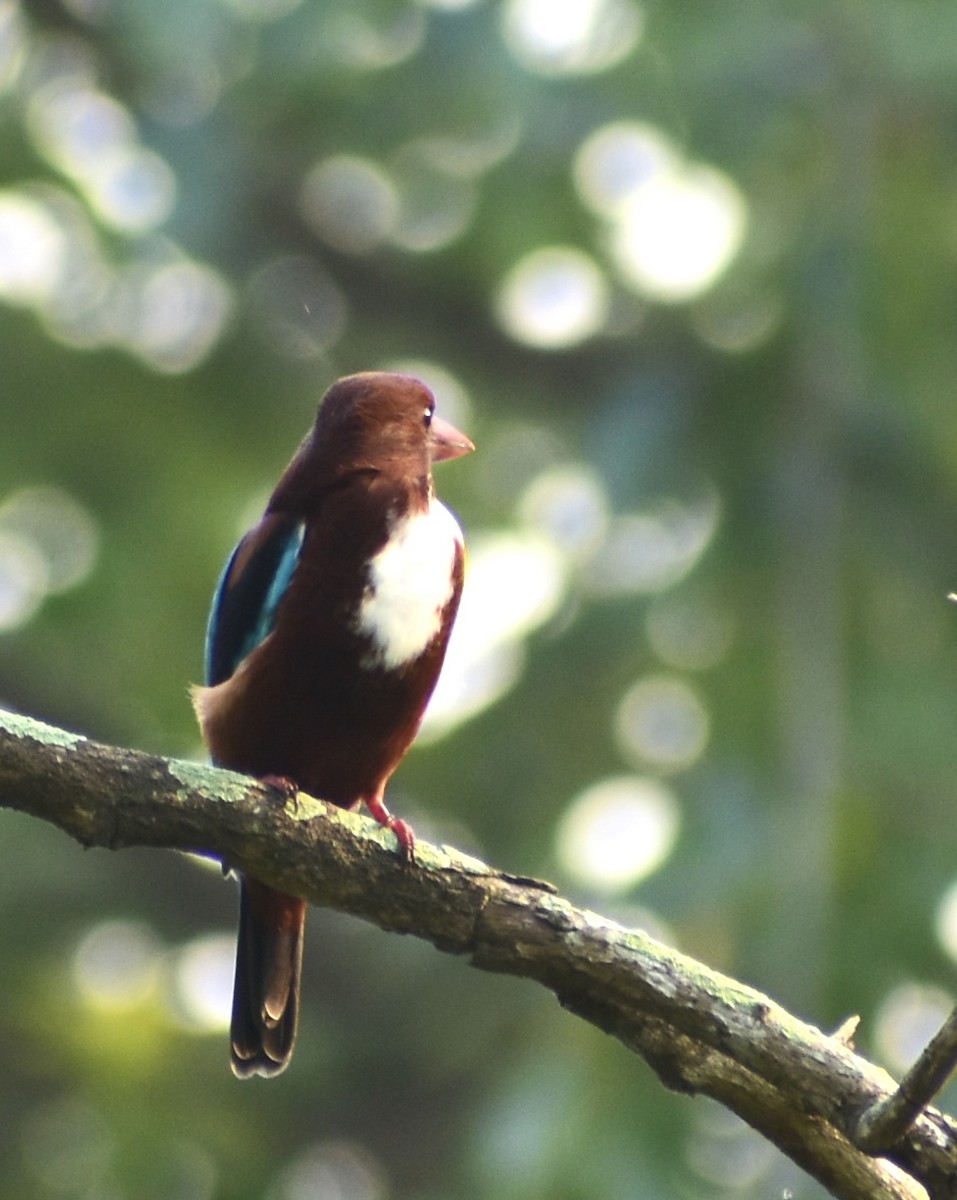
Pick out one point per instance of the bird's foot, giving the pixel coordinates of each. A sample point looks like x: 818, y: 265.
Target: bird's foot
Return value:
x: 401, y: 829
x: 287, y: 788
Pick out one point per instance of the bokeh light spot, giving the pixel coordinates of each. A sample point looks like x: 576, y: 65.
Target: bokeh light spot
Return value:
x: 513, y: 453
x: 33, y: 249
x: 62, y: 531
x: 514, y: 583
x: 661, y: 722
x: 90, y: 11
x: 73, y: 303
x: 176, y: 313
x: 333, y: 1170
x: 201, y: 977
x: 689, y: 634
x: 553, y: 298
x: 74, y: 125
x: 133, y: 190
x: 907, y: 1019
x: 13, y: 42
x: 297, y: 306
x: 569, y: 37
x: 92, y: 139
x: 514, y: 1134
x: 617, y: 832
x: 48, y: 543
x: 737, y: 322
x: 395, y: 35
x: 945, y: 921
x: 117, y: 965
x: 567, y: 503
x: 167, y: 309
x: 652, y: 550
x: 726, y: 1153
x: 351, y: 203
x: 617, y: 160
x: 676, y: 235
x: 472, y: 679
x: 435, y: 206
x: 23, y: 580
x: 467, y: 156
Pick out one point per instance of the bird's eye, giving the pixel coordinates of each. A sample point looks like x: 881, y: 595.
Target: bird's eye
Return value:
x: 427, y: 415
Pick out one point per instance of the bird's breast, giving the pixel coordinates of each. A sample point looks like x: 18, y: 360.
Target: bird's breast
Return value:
x: 409, y: 583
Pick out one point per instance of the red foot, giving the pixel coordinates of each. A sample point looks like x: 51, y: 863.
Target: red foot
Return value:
x: 401, y: 829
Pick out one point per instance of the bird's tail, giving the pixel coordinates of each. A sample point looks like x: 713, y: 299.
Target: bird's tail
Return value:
x: 266, y: 991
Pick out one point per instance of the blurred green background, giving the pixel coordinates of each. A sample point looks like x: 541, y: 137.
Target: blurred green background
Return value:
x: 687, y: 274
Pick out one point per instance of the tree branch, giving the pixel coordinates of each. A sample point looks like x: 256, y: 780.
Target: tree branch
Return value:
x: 885, y: 1123
x: 700, y: 1031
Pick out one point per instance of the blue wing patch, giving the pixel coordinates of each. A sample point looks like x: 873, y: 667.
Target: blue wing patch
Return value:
x: 249, y: 593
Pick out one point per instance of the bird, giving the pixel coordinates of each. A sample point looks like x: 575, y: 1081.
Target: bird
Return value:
x: 327, y: 632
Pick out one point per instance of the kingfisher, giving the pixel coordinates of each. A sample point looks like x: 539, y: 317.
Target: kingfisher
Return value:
x: 326, y: 637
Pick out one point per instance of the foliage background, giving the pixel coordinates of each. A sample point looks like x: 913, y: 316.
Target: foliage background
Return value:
x: 742, y: 498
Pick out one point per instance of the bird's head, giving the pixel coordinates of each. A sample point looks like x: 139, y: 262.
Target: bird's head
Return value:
x: 378, y: 417
x: 376, y: 421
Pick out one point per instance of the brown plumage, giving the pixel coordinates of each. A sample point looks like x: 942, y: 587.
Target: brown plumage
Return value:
x: 326, y: 638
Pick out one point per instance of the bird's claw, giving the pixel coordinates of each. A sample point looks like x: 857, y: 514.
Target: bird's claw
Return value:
x: 287, y: 788
x: 404, y: 832
x: 402, y: 829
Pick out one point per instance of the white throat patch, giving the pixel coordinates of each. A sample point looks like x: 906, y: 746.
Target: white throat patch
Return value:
x: 410, y: 582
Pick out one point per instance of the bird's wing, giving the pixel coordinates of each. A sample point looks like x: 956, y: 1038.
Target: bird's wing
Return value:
x: 249, y: 592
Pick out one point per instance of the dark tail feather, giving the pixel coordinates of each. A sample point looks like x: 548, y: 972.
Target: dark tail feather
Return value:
x: 266, y: 991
